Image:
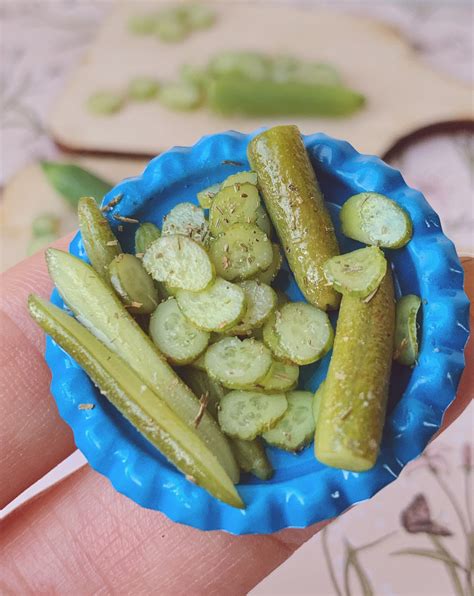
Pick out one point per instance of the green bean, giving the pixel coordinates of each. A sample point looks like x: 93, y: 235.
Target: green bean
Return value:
x: 99, y: 241
x: 137, y: 401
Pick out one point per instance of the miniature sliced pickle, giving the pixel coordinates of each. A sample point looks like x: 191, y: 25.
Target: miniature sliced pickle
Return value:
x: 133, y: 284
x: 241, y: 251
x: 296, y: 207
x: 357, y: 273
x: 260, y: 302
x: 252, y: 457
x: 137, y: 401
x: 145, y: 235
x: 295, y: 430
x: 233, y: 204
x: 99, y: 309
x: 304, y: 332
x: 237, y: 64
x: 174, y: 335
x: 406, y: 341
x: 281, y: 377
x: 180, y: 262
x: 181, y: 95
x: 263, y: 221
x: 269, y: 274
x: 217, y: 308
x: 188, y: 220
x: 206, y: 196
x: 241, y: 178
x: 353, y: 403
x: 372, y: 218
x: 99, y: 241
x: 272, y: 340
x: 237, y: 363
x: 246, y: 414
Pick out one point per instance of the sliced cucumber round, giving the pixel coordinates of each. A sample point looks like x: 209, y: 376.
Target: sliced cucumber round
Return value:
x: 180, y: 262
x: 206, y: 196
x: 282, y: 376
x: 176, y: 337
x: 405, y: 339
x: 304, y: 332
x: 234, y: 204
x: 263, y: 221
x: 295, y: 430
x: 261, y: 302
x: 188, y: 220
x: 241, y: 178
x: 241, y: 251
x: 133, y: 284
x: 272, y: 341
x: 373, y: 218
x: 357, y: 273
x: 269, y: 274
x: 145, y: 235
x: 246, y: 414
x: 217, y: 308
x: 238, y: 363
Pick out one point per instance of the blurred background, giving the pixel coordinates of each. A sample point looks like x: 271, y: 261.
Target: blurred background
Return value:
x: 91, y: 90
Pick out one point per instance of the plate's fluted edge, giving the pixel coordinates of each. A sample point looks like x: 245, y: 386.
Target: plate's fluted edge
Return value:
x: 313, y: 501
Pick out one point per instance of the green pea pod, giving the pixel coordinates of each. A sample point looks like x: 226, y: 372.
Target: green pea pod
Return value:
x: 251, y: 97
x: 73, y: 182
x: 296, y: 207
x: 99, y: 241
x: 353, y: 403
x: 137, y: 401
x: 99, y: 309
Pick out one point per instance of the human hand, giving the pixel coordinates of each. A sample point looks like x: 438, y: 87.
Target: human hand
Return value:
x: 81, y: 536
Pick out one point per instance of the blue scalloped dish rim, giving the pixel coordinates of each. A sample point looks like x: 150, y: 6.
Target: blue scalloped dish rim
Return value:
x: 302, y: 491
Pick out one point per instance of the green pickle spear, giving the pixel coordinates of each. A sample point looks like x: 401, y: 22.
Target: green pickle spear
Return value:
x: 99, y: 241
x: 99, y: 309
x: 296, y: 207
x: 406, y: 341
x: 137, y: 402
x: 353, y: 403
x: 252, y: 457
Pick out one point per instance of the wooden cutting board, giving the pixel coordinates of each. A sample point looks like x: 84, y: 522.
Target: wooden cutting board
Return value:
x: 404, y: 94
x: 28, y: 194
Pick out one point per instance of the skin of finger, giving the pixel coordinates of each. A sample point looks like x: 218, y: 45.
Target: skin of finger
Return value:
x: 82, y: 537
x: 33, y: 437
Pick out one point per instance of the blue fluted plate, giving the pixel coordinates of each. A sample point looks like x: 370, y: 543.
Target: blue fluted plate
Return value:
x: 302, y: 491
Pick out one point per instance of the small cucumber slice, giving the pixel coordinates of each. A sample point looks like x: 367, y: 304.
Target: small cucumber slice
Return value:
x: 272, y: 341
x: 357, y: 273
x: 241, y: 251
x: 176, y: 337
x: 282, y: 376
x: 133, y: 284
x: 373, y: 218
x: 405, y: 339
x: 180, y: 262
x: 237, y: 203
x: 206, y: 196
x: 295, y: 430
x: 188, y: 220
x: 318, y: 396
x: 261, y: 302
x: 304, y: 332
x: 263, y: 221
x: 241, y: 178
x: 252, y: 457
x: 238, y: 363
x: 217, y: 308
x: 267, y: 276
x: 252, y: 65
x: 246, y: 414
x: 145, y: 235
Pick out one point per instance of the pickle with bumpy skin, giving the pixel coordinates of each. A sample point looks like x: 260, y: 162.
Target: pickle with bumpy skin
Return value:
x: 99, y: 310
x: 137, y: 401
x: 252, y: 457
x: 353, y: 403
x: 296, y: 207
x: 99, y: 241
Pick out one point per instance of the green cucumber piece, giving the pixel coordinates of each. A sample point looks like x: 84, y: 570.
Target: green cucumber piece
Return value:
x: 238, y: 363
x: 171, y: 27
x: 133, y: 284
x: 252, y: 457
x: 241, y: 178
x: 304, y: 332
x: 175, y: 336
x: 281, y: 377
x: 188, y: 220
x: 238, y: 64
x: 145, y: 235
x: 269, y: 274
x: 261, y: 301
x: 241, y: 251
x: 358, y: 273
x: 233, y: 204
x: 263, y: 221
x: 105, y: 103
x: 206, y: 196
x: 180, y: 262
x: 217, y: 308
x: 137, y: 401
x: 372, y: 218
x: 246, y: 414
x: 295, y: 430
x: 181, y: 95
x: 143, y: 88
x: 272, y: 340
x: 405, y: 339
